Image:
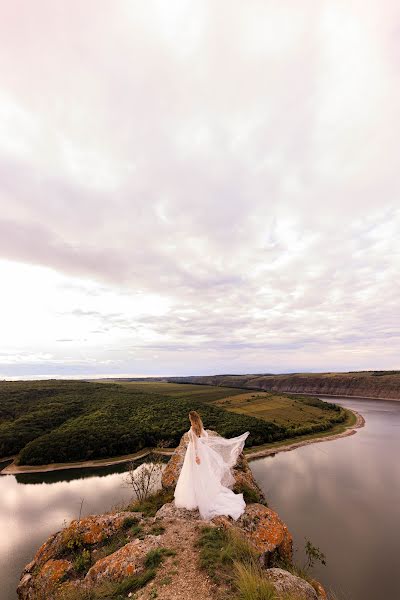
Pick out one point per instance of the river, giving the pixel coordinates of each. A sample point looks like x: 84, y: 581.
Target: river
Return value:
x: 343, y: 495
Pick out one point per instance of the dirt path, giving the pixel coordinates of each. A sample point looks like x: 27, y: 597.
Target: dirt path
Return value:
x: 179, y: 577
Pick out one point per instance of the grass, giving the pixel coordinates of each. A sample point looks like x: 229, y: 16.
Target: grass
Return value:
x: 155, y: 557
x: 231, y: 560
x: 251, y: 584
x: 152, y: 504
x: 219, y: 548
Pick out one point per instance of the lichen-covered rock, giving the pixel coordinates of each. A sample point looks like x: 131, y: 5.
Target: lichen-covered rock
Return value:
x: 244, y: 480
x: 126, y: 561
x: 44, y: 580
x: 286, y: 583
x: 96, y: 528
x: 265, y: 530
x: 51, y: 563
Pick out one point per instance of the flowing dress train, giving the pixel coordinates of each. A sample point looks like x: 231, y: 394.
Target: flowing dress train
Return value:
x: 206, y: 485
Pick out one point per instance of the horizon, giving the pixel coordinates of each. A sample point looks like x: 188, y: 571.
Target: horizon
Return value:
x: 138, y: 376
x: 195, y: 187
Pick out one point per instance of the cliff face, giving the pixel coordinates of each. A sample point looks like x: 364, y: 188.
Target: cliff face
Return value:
x: 127, y: 553
x: 371, y: 384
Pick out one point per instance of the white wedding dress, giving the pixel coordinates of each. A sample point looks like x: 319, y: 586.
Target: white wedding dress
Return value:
x: 206, y: 485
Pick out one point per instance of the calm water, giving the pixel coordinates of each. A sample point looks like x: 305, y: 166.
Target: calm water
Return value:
x: 34, y: 506
x: 343, y: 495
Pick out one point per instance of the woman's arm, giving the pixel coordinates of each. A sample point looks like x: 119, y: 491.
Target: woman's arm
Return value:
x: 194, y: 440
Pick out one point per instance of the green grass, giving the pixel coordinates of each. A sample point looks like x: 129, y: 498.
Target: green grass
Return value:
x: 230, y: 560
x: 155, y: 557
x: 251, y: 583
x: 219, y: 548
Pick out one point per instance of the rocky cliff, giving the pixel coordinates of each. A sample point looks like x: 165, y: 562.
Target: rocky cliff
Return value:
x: 169, y: 553
x: 366, y: 384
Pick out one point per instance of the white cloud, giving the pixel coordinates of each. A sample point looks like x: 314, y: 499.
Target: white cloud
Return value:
x: 215, y: 185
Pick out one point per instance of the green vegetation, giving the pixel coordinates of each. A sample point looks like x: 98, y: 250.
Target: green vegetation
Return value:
x: 299, y: 415
x: 152, y: 504
x: 57, y: 421
x: 231, y: 560
x: 155, y: 557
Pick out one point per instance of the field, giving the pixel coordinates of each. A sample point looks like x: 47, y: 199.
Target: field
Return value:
x: 282, y: 409
x: 57, y: 421
x: 205, y: 393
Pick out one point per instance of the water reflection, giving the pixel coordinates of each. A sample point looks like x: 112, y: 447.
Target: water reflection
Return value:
x: 344, y: 495
x: 34, y: 506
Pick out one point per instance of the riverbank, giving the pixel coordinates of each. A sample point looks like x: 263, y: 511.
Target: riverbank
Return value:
x: 355, y: 421
x: 284, y: 447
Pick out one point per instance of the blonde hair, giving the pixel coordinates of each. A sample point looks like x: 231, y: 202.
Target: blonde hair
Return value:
x: 197, y: 423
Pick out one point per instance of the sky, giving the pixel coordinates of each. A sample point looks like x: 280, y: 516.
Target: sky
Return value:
x: 197, y: 187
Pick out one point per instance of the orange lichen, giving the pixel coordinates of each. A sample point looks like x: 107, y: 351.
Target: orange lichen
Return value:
x: 54, y: 570
x: 264, y: 529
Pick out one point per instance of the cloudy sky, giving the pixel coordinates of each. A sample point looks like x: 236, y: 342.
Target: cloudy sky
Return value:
x: 193, y: 187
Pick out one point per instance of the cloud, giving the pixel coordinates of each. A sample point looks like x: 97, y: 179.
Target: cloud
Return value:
x: 229, y: 169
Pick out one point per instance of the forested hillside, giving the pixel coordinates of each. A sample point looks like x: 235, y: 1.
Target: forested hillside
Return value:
x: 61, y: 421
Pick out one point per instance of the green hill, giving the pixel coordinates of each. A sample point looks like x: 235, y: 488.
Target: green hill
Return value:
x: 63, y: 421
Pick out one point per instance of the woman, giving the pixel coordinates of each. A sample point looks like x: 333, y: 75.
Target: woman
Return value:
x: 206, y: 473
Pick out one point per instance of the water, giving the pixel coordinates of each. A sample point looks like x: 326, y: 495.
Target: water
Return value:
x: 343, y: 495
x: 34, y: 506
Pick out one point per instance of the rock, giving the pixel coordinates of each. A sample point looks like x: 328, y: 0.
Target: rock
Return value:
x: 244, y: 480
x: 126, y: 561
x: 44, y: 581
x: 286, y: 583
x: 96, y: 528
x: 51, y: 562
x: 265, y: 530
x: 169, y: 512
x: 55, y: 571
x: 321, y: 593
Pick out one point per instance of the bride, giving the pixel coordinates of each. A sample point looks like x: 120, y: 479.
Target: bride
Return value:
x: 206, y: 475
